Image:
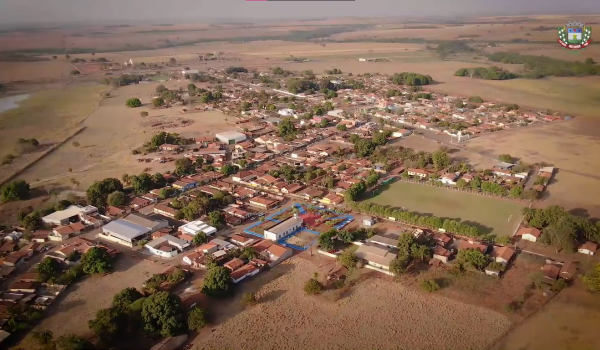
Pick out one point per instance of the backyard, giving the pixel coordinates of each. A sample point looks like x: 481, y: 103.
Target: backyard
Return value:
x: 491, y: 215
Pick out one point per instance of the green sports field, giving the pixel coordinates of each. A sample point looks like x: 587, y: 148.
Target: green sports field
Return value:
x: 491, y: 215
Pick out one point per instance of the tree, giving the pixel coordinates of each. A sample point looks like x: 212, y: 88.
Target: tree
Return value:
x: 72, y: 342
x: 109, y: 324
x: 184, y: 166
x: 162, y: 314
x: 142, y: 183
x: 326, y: 240
x: 348, y: 259
x: 516, y: 191
x: 196, y: 319
x: 398, y: 266
x: 216, y: 218
x: 98, y: 192
x: 341, y: 127
x: 440, y: 159
x: 133, y: 103
x: 14, y: 190
x: 249, y: 299
x: 217, y: 282
x: 313, y: 286
x: 117, y: 199
x: 48, y: 268
x: 200, y: 238
x: 32, y: 221
x: 430, y: 285
x: 461, y: 184
x: 475, y: 99
x: 475, y: 183
x: 592, y: 279
x: 158, y: 102
x: 287, y: 129
x: 96, y: 260
x: 473, y: 257
x: 506, y: 158
x: 126, y: 297
x: 45, y: 339
x: 589, y: 60
x: 562, y: 235
x: 227, y: 169
x: 172, y: 60
x: 160, y: 89
x: 143, y: 114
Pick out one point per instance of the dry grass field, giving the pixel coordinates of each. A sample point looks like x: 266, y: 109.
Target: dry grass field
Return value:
x: 85, y: 298
x: 17, y: 71
x: 111, y: 133
x: 375, y: 314
x: 568, y: 322
x: 572, y: 147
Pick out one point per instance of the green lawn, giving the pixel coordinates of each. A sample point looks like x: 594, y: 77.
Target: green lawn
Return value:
x: 491, y: 215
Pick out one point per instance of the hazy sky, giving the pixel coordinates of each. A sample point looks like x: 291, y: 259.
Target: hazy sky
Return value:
x: 24, y: 11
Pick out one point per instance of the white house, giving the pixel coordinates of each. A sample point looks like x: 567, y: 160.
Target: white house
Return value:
x: 283, y: 228
x: 286, y: 112
x: 529, y: 233
x: 502, y: 254
x: 588, y: 248
x: 243, y: 272
x: 192, y: 228
x: 167, y: 246
x: 417, y: 172
x: 69, y: 215
x: 449, y: 179
x: 375, y: 256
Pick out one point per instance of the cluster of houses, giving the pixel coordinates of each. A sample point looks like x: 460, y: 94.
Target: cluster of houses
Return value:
x: 532, y: 234
x: 218, y: 251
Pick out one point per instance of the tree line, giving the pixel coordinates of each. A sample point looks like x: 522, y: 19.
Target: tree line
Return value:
x: 489, y: 73
x: 411, y: 79
x: 542, y: 66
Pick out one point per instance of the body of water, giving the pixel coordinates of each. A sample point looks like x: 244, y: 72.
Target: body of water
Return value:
x: 8, y: 103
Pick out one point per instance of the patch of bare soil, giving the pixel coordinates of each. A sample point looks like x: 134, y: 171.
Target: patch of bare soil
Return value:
x: 162, y: 122
x: 375, y: 314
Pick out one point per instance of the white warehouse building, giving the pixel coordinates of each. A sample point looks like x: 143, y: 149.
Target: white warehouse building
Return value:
x: 231, y: 137
x: 283, y: 229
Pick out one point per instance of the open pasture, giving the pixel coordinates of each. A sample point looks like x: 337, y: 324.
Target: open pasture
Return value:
x: 375, y: 314
x: 492, y: 215
x: 19, y: 71
x: 573, y: 147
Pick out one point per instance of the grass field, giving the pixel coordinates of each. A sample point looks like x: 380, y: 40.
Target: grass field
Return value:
x: 490, y: 214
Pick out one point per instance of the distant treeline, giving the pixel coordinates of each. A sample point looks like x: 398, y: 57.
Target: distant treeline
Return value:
x: 412, y: 79
x: 542, y: 66
x: 489, y: 73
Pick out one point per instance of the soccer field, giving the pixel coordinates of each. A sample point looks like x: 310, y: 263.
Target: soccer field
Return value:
x: 492, y: 216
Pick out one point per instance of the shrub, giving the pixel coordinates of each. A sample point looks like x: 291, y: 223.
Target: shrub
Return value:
x: 313, y: 286
x: 430, y: 285
x: 133, y: 103
x: 249, y: 299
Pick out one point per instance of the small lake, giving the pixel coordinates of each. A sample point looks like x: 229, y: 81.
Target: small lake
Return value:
x: 10, y: 102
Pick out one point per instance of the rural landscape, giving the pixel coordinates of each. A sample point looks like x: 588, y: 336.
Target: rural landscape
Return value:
x: 341, y: 183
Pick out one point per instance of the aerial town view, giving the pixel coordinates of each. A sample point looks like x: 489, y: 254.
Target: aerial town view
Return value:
x: 299, y: 175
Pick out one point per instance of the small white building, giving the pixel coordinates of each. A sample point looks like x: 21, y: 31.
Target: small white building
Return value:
x: 368, y: 222
x: 283, y: 228
x: 192, y: 228
x: 189, y: 72
x: 231, y: 137
x: 376, y: 256
x: 417, y: 172
x: 167, y: 246
x: 588, y: 248
x: 449, y: 179
x: 286, y: 112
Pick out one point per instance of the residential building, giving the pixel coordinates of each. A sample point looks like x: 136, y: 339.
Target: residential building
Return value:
x: 588, y: 248
x: 167, y: 246
x: 244, y: 272
x: 376, y: 256
x: 61, y: 233
x: 417, y: 172
x: 502, y: 254
x: 194, y: 227
x: 234, y: 264
x: 283, y: 229
x: 276, y: 254
x: 462, y: 245
x: 387, y: 241
x: 242, y: 241
x: 529, y: 233
x: 263, y: 203
x: 442, y: 254
x: 449, y: 179
x: 165, y: 210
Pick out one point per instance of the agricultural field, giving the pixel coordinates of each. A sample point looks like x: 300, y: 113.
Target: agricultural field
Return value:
x: 493, y: 216
x: 104, y: 148
x: 18, y: 71
x: 570, y: 146
x: 374, y: 314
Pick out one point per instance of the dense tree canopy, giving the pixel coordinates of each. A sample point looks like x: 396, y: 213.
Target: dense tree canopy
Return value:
x: 96, y: 260
x: 117, y: 199
x: 162, y: 314
x: 217, y: 282
x: 287, y: 129
x: 412, y: 79
x: 196, y: 319
x: 126, y: 297
x: 487, y: 73
x: 97, y: 193
x: 543, y: 66
x: 14, y: 190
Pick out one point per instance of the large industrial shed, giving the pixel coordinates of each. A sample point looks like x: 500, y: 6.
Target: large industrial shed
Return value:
x: 231, y: 137
x: 124, y: 232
